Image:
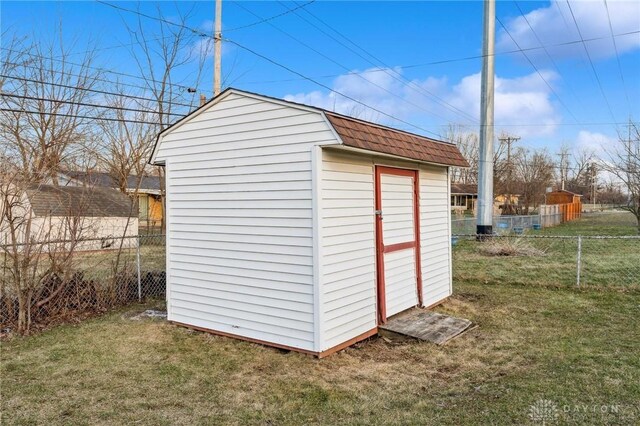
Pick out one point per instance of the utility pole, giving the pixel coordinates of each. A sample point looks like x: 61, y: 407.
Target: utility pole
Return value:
x: 485, y: 165
x: 594, y: 187
x: 509, y: 140
x: 217, y: 49
x: 563, y: 167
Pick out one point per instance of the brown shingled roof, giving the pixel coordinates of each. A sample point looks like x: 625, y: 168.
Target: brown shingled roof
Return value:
x: 373, y: 137
x: 49, y: 200
x: 464, y: 188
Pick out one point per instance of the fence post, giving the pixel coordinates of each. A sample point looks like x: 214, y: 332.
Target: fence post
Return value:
x: 138, y: 266
x: 579, y: 261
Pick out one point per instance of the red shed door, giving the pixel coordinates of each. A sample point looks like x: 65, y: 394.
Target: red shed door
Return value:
x: 397, y: 240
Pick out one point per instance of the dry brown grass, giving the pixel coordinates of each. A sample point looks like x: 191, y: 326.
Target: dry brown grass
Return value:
x: 509, y: 247
x: 532, y: 343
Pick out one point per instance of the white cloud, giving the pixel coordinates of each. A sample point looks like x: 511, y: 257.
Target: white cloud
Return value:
x: 554, y: 24
x: 521, y: 100
x: 598, y: 143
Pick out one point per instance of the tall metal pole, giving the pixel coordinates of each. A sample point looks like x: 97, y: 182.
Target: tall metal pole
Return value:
x: 217, y: 49
x: 485, y: 169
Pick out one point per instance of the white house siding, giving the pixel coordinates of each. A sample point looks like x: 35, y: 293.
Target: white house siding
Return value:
x: 348, y: 282
x: 95, y: 233
x: 240, y: 219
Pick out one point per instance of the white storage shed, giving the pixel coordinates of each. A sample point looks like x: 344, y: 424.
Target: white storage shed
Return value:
x: 298, y: 227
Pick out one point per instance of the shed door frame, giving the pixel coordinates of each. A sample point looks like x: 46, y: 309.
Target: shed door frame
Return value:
x: 381, y: 249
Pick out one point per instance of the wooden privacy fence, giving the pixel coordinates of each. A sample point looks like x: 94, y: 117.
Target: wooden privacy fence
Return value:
x: 555, y: 214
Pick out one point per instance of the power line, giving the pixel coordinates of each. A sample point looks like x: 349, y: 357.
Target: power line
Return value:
x: 538, y: 72
x: 55, y: 114
x: 328, y: 88
x: 104, y: 80
x: 387, y: 70
x: 302, y: 6
x: 203, y: 34
x: 535, y: 34
x: 345, y: 67
x: 104, y: 92
x: 615, y: 47
x: 447, y: 61
x: 61, y: 101
x: 593, y: 68
x: 145, y: 79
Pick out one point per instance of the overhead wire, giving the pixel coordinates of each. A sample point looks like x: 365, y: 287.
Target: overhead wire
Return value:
x: 593, y: 68
x: 103, y: 80
x: 101, y: 69
x: 104, y: 92
x: 271, y: 18
x: 56, y: 114
x: 447, y: 61
x: 387, y: 69
x: 538, y: 72
x: 327, y: 87
x: 62, y: 101
x: 359, y: 75
x: 535, y: 34
x: 198, y: 32
x: 615, y: 47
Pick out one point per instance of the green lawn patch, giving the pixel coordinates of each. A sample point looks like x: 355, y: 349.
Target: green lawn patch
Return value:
x: 576, y: 348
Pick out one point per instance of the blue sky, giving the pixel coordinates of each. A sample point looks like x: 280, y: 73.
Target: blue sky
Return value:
x: 559, y: 99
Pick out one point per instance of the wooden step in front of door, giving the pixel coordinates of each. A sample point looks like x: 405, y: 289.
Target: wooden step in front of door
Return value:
x: 421, y: 324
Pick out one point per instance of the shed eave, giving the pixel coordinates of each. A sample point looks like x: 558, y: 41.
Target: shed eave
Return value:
x: 344, y: 147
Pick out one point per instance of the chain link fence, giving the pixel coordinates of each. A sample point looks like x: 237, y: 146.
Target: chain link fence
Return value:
x: 602, y: 261
x: 507, y: 224
x: 56, y: 281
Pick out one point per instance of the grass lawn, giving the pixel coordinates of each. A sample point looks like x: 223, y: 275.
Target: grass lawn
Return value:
x: 577, y: 348
x: 604, y: 263
x: 606, y: 223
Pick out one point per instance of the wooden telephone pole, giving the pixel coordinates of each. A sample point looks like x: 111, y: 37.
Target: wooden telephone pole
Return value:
x: 509, y: 140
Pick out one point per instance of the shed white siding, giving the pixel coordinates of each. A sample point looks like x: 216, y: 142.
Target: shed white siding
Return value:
x: 348, y: 243
x: 435, y: 234
x: 348, y: 283
x: 240, y: 219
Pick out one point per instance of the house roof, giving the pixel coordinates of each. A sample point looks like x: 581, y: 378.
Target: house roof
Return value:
x: 50, y: 200
x: 564, y: 191
x: 464, y: 188
x: 368, y: 136
x: 105, y: 180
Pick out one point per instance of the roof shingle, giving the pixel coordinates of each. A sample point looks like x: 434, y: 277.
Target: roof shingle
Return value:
x: 373, y: 137
x: 50, y: 200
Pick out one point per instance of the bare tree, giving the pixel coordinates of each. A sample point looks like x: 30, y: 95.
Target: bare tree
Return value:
x: 160, y: 57
x: 34, y: 248
x: 534, y: 172
x: 623, y: 162
x: 44, y: 108
x: 467, y: 143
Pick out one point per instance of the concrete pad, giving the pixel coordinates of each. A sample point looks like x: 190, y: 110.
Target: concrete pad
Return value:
x: 425, y: 325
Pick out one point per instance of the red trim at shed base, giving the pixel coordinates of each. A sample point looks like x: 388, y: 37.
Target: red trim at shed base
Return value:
x: 322, y: 354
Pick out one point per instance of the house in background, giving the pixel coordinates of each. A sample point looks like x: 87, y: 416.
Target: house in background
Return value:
x: 59, y: 213
x: 150, y: 210
x: 298, y: 227
x: 464, y: 198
